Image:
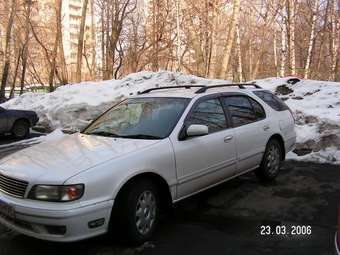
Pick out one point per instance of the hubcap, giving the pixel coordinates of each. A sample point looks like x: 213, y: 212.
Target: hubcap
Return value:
x: 273, y: 159
x: 145, y: 212
x: 20, y: 131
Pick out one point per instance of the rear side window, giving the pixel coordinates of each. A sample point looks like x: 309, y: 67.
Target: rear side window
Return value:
x: 273, y: 101
x: 244, y: 110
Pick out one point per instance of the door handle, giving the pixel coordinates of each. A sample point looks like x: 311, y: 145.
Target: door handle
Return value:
x: 228, y: 138
x: 265, y: 128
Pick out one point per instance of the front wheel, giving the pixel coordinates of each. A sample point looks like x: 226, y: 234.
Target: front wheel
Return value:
x: 20, y: 129
x: 135, y: 212
x: 271, y: 162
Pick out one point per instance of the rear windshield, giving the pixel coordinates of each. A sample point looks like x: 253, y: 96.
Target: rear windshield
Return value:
x: 273, y: 101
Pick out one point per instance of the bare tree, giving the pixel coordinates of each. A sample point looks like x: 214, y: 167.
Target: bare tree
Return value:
x: 63, y: 68
x: 311, y: 39
x: 268, y: 14
x: 335, y: 42
x: 25, y: 47
x: 201, y: 68
x: 291, y: 22
x: 8, y: 32
x: 283, y: 51
x: 230, y: 40
x: 214, y: 40
x: 81, y: 42
x: 238, y: 51
x: 116, y: 12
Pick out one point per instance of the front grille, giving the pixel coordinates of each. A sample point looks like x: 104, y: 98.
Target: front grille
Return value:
x: 12, y: 186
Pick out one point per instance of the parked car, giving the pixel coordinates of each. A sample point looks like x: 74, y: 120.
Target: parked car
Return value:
x: 17, y: 122
x: 337, y: 235
x: 142, y: 156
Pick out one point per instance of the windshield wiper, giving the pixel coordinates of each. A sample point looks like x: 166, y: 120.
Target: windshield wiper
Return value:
x: 104, y: 133
x: 142, y: 136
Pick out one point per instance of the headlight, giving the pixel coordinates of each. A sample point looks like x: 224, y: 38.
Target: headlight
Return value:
x: 54, y: 193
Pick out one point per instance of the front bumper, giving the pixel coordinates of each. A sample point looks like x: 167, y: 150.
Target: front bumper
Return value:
x: 34, y: 121
x: 61, y: 222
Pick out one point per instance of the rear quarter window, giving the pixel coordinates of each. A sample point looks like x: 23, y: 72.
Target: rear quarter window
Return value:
x: 273, y: 101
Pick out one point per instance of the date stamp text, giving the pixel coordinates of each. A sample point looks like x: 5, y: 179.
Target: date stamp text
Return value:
x: 283, y: 230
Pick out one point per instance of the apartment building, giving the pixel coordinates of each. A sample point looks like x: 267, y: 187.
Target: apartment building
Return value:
x: 71, y: 17
x: 41, y: 42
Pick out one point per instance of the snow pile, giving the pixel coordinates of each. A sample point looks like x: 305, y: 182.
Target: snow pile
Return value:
x: 316, y: 106
x: 72, y: 107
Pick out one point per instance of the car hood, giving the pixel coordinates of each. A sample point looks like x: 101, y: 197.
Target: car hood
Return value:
x: 59, y: 159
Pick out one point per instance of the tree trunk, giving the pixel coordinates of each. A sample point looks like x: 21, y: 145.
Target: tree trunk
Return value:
x: 194, y: 40
x: 230, y: 40
x: 179, y: 63
x: 275, y: 54
x: 7, y: 52
x: 11, y: 95
x: 268, y: 21
x: 213, y: 43
x: 291, y: 20
x: 311, y: 40
x: 238, y: 51
x: 63, y: 68
x: 25, y: 47
x: 334, y: 40
x: 81, y: 42
x: 120, y: 9
x: 283, y: 38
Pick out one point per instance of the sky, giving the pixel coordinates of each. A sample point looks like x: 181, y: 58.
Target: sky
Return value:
x: 315, y: 104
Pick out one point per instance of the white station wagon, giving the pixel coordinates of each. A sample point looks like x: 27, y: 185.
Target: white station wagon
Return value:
x: 142, y: 156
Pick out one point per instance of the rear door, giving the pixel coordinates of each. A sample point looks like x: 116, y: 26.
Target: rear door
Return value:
x: 252, y: 130
x: 204, y: 161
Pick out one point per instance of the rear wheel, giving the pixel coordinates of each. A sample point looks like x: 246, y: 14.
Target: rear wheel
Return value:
x: 135, y: 212
x: 271, y: 161
x: 20, y: 129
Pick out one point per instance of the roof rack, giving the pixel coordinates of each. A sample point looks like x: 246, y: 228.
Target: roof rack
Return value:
x: 240, y: 85
x: 172, y: 87
x: 203, y: 88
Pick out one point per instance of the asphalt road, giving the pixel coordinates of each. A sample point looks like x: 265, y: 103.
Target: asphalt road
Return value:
x: 241, y: 216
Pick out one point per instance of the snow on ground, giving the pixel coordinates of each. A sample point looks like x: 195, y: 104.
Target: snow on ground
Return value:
x: 316, y: 107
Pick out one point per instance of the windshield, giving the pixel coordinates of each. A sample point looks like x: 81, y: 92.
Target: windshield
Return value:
x: 143, y: 118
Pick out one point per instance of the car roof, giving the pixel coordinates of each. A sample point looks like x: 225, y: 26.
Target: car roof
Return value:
x: 191, y: 91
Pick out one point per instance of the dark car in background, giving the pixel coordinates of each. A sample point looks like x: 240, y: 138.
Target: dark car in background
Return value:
x: 17, y: 122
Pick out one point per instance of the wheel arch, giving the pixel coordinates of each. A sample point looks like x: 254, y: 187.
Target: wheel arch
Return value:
x: 21, y: 119
x: 281, y: 142
x: 166, y: 205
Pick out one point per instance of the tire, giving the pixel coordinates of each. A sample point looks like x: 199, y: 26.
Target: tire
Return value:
x: 135, y: 213
x: 271, y: 161
x: 20, y: 129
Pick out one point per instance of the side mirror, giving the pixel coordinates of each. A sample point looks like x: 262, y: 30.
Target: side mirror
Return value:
x: 197, y: 130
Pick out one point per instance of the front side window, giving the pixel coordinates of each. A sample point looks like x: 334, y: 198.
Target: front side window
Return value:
x: 210, y: 113
x: 143, y: 118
